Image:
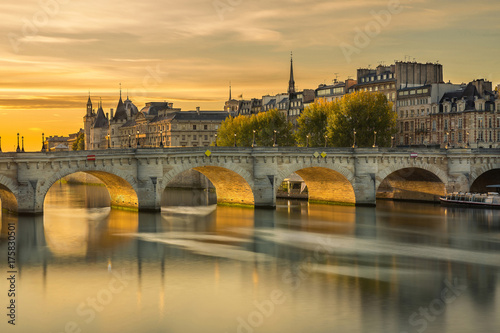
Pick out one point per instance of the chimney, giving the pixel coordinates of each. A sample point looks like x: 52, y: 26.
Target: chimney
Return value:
x: 107, y: 115
x: 198, y: 110
x: 170, y: 105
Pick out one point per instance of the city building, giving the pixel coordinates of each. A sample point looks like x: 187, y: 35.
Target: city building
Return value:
x: 332, y: 92
x: 414, y: 106
x: 468, y: 117
x: 157, y: 124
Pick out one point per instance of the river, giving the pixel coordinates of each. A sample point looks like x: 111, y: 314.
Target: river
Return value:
x: 197, y: 267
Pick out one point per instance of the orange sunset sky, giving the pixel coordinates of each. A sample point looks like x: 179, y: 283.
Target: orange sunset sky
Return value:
x: 55, y: 51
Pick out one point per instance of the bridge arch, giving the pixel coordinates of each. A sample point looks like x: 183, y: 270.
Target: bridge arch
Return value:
x: 422, y: 183
x: 484, y: 176
x: 122, y: 188
x: 324, y: 184
x: 233, y: 184
x: 8, y: 194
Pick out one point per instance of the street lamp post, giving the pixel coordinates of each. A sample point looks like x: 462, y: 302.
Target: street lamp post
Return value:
x: 161, y: 138
x: 215, y: 140
x: 374, y: 139
x: 447, y: 139
x: 392, y: 141
x: 275, y: 143
x: 235, y: 139
x: 43, y: 142
x: 254, y: 144
x: 129, y: 145
x: 467, y: 140
x: 107, y: 136
x: 137, y: 138
x: 22, y: 138
x: 326, y: 140
x: 307, y: 140
x: 354, y: 135
x: 18, y: 149
x: 0, y: 144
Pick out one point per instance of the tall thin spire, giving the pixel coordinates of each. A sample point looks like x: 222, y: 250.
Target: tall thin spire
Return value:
x: 229, y: 90
x: 120, y: 91
x: 291, y: 83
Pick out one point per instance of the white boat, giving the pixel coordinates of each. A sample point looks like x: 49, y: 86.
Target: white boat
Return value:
x: 490, y: 199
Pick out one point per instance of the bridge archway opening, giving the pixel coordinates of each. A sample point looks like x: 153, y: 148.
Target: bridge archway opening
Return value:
x: 413, y: 184
x: 120, y: 194
x: 8, y: 200
x: 491, y: 177
x: 230, y: 188
x: 324, y: 185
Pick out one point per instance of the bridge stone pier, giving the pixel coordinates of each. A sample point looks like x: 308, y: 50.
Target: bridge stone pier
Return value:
x: 136, y: 178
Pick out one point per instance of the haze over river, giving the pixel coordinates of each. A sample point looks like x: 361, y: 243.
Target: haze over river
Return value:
x: 196, y: 267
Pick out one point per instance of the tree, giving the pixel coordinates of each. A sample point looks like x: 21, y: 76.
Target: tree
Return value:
x: 365, y: 113
x: 79, y: 144
x: 264, y: 124
x: 313, y: 123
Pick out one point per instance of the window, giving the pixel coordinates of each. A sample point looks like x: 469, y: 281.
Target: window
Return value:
x: 206, y: 137
x: 183, y: 137
x: 205, y: 127
x: 446, y: 124
x: 459, y: 136
x: 194, y: 137
x: 460, y: 123
x: 194, y: 127
x: 433, y: 125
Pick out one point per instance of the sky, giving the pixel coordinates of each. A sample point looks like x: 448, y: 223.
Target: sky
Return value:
x: 54, y: 52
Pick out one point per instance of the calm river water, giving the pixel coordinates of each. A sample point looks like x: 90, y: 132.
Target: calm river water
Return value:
x: 195, y: 267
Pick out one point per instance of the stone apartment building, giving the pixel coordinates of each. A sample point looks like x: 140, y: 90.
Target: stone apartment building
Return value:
x: 414, y: 106
x: 469, y: 117
x: 332, y: 92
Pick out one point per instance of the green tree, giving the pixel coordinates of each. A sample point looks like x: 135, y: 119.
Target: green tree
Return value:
x: 79, y: 144
x: 312, y: 123
x: 365, y: 113
x: 264, y: 124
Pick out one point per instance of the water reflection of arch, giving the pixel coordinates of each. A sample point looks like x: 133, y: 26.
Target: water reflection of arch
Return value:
x: 324, y: 184
x: 122, y: 188
x: 420, y: 183
x: 233, y: 184
x: 8, y: 194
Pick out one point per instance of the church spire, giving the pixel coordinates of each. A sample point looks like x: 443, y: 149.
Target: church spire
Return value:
x: 89, y: 106
x: 291, y: 83
x: 229, y: 90
x: 120, y: 91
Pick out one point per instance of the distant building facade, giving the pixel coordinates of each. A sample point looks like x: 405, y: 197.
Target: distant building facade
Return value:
x: 158, y: 124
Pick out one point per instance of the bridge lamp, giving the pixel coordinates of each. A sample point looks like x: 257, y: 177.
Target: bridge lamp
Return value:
x: 374, y: 139
x: 254, y: 144
x: 326, y: 140
x: 447, y: 139
x: 307, y: 141
x: 137, y: 138
x: 22, y: 138
x: 129, y: 141
x: 43, y: 142
x: 107, y: 137
x: 161, y: 138
x: 215, y: 140
x: 354, y: 135
x: 0, y: 144
x: 18, y: 149
x: 467, y: 139
x: 235, y: 139
x: 392, y: 141
x: 275, y: 143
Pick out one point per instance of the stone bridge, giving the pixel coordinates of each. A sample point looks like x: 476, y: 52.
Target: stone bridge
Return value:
x: 136, y: 178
